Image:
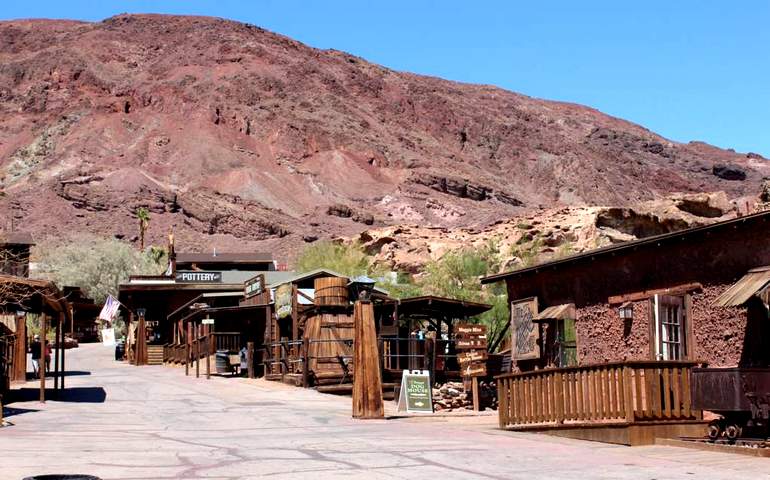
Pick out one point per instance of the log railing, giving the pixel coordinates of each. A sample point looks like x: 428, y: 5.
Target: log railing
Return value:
x: 625, y: 392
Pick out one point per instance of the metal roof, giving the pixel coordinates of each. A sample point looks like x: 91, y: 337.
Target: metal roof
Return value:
x: 740, y: 292
x: 654, y: 240
x: 557, y: 312
x: 461, y: 308
x: 16, y: 238
x: 317, y: 273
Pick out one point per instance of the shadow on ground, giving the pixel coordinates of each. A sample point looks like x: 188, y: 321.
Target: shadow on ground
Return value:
x: 69, y: 394
x: 11, y: 412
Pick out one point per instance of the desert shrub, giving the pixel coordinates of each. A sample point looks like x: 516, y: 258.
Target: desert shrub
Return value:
x: 344, y: 259
x: 96, y: 265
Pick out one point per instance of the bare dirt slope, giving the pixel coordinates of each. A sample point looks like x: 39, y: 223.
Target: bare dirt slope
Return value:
x: 243, y: 139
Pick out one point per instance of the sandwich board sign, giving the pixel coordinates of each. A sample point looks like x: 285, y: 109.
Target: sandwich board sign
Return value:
x: 415, y: 395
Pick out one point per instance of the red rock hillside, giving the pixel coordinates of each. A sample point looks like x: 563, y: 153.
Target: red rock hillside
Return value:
x: 243, y: 139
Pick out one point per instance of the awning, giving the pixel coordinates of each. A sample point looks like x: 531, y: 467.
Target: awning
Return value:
x: 754, y: 281
x: 558, y: 312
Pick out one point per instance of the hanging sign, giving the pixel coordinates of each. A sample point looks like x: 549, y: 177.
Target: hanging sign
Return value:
x: 526, y: 334
x: 254, y: 286
x: 198, y: 277
x: 415, y: 395
x: 283, y: 300
x: 207, y: 321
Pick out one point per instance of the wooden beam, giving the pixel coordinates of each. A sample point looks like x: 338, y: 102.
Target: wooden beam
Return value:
x: 41, y: 362
x: 643, y: 295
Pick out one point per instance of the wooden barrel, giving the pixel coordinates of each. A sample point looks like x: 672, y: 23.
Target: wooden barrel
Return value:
x: 331, y: 291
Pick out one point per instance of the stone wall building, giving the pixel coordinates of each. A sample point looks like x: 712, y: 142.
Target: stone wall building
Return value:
x: 697, y: 294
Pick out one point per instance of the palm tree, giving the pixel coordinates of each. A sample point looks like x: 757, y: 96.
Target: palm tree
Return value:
x: 144, y: 219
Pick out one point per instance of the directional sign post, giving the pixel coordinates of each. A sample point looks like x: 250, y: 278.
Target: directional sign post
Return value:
x: 472, y: 339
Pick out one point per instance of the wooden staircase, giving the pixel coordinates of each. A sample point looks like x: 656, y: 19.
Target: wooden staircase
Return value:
x: 154, y: 354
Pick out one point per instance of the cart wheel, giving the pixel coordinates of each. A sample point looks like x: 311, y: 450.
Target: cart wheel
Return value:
x: 732, y: 432
x: 714, y: 430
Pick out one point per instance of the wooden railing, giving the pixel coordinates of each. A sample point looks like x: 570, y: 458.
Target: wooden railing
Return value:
x: 231, y: 341
x: 624, y: 392
x: 174, y: 353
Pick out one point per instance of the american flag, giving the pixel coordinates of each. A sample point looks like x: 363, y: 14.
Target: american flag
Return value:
x: 109, y: 309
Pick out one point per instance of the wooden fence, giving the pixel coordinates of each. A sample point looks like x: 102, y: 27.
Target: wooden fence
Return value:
x: 625, y: 392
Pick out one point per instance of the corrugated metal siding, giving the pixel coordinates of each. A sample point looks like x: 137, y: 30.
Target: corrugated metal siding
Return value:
x: 745, y: 288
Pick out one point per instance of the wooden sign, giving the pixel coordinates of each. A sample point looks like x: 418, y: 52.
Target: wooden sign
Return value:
x: 470, y: 329
x: 207, y: 321
x: 416, y: 393
x: 473, y: 356
x: 471, y: 343
x: 474, y: 370
x: 254, y: 286
x: 526, y: 333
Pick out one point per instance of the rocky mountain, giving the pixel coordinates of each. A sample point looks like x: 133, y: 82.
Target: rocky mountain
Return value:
x: 243, y: 139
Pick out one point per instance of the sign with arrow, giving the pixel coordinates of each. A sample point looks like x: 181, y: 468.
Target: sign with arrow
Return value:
x: 416, y: 392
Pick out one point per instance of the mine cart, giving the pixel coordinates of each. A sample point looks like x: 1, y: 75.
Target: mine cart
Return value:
x: 740, y: 395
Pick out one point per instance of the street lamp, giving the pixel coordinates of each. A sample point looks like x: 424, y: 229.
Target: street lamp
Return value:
x: 361, y: 288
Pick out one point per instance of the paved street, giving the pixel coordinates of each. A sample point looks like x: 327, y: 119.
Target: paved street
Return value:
x: 123, y: 422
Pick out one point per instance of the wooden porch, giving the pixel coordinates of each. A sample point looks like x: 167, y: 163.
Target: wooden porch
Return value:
x: 629, y: 403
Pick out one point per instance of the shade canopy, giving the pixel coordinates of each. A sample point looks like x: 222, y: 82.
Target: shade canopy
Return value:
x: 558, y: 312
x: 753, y: 282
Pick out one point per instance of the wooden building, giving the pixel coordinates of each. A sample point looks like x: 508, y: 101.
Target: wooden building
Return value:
x: 83, y: 325
x: 609, y: 336
x: 20, y: 297
x: 188, y: 277
x: 419, y: 333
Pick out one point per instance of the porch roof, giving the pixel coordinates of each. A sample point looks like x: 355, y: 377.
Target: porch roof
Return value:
x: 429, y: 304
x: 740, y: 292
x: 557, y: 312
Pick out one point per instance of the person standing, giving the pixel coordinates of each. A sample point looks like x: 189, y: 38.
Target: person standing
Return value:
x: 48, y: 352
x: 35, y: 350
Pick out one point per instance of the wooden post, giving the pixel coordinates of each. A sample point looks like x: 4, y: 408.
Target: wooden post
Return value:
x: 305, y: 362
x: 367, y: 380
x: 55, y: 353
x: 475, y: 388
x: 20, y: 350
x: 207, y: 329
x: 250, y: 359
x: 141, y: 342
x: 63, y: 351
x: 196, y: 329
x: 187, y: 348
x: 41, y: 362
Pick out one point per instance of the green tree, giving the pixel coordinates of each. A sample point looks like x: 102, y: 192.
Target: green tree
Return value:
x: 96, y: 265
x: 457, y: 275
x: 144, y: 220
x: 347, y: 260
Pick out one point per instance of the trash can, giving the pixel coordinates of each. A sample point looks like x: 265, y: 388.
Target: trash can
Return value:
x: 223, y: 361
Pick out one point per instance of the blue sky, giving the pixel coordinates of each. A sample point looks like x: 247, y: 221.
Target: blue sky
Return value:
x: 689, y: 70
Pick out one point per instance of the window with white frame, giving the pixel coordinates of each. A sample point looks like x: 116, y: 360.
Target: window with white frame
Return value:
x: 670, y: 327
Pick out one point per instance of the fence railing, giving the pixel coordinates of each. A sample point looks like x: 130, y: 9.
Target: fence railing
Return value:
x: 625, y: 392
x: 174, y: 353
x: 231, y: 341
